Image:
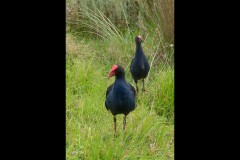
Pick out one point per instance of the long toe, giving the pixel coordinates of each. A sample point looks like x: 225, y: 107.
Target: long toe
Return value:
x: 144, y: 90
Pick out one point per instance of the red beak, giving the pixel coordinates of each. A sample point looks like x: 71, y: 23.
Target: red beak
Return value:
x: 112, y: 71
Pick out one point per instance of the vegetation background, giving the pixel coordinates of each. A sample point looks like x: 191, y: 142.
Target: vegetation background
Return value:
x: 100, y: 33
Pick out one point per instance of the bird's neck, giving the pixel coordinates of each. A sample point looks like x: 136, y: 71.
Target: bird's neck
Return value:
x: 120, y: 78
x: 120, y: 83
x: 139, y: 50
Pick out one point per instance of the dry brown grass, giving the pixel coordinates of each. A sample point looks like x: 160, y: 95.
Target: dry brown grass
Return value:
x: 153, y: 19
x: 147, y: 15
x: 76, y: 47
x: 72, y: 47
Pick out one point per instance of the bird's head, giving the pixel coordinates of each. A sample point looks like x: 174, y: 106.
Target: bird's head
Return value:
x: 138, y: 39
x: 116, y: 70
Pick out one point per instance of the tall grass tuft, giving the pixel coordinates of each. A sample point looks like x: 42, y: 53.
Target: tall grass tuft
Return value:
x: 117, y: 18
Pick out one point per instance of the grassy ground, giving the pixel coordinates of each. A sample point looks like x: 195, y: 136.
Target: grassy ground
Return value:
x: 89, y: 126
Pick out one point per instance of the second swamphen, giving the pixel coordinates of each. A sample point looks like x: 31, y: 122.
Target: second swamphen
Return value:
x: 120, y: 96
x: 139, y: 67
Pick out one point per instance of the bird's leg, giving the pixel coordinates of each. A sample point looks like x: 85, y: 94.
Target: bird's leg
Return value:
x: 115, y: 120
x: 136, y: 87
x: 143, y: 89
x: 124, y: 123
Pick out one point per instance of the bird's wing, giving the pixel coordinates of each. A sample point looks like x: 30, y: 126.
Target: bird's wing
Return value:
x: 106, y: 104
x: 131, y: 65
x: 109, y: 89
x: 132, y: 89
x: 107, y: 92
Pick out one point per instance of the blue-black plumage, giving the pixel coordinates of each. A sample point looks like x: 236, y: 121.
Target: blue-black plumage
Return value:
x: 120, y: 96
x: 139, y: 67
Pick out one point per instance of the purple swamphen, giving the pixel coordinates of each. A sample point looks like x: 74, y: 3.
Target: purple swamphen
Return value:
x: 139, y: 67
x: 120, y: 96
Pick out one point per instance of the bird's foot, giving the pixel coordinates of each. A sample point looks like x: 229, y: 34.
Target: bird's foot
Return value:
x: 144, y: 90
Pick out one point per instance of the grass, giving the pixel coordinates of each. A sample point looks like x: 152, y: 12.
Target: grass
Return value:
x: 89, y: 126
x: 101, y: 33
x: 112, y: 19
